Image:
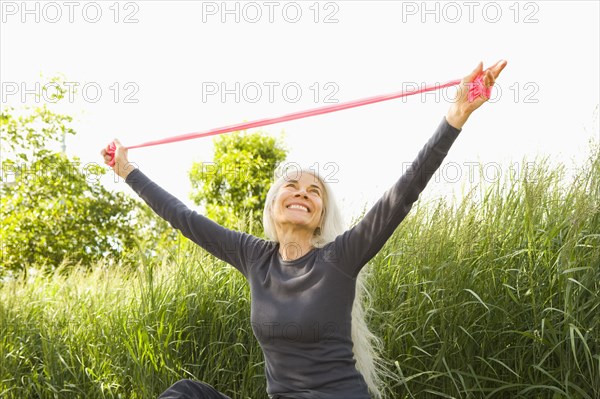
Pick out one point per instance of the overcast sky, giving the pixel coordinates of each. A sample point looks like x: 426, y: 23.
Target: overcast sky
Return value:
x: 151, y: 69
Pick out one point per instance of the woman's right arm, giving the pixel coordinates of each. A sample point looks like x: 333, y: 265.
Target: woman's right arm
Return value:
x: 228, y: 245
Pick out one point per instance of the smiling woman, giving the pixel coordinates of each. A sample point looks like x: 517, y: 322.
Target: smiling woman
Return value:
x: 294, y: 213
x: 307, y: 279
x: 303, y: 202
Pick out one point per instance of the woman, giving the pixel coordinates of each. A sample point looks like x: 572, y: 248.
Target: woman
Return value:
x: 305, y: 281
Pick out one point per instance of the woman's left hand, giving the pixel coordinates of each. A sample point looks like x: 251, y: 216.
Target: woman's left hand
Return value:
x: 462, y: 108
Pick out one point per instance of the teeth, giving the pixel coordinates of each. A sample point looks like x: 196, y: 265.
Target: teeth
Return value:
x: 303, y: 208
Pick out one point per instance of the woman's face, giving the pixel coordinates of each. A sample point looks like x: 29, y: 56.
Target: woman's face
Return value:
x: 299, y: 202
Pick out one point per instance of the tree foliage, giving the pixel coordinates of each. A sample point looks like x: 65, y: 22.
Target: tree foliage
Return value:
x: 234, y: 186
x: 54, y: 209
x: 53, y: 213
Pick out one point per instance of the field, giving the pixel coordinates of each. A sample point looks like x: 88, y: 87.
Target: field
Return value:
x: 497, y: 296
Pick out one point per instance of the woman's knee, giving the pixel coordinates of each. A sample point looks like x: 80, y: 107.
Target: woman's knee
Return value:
x: 190, y: 389
x: 182, y: 389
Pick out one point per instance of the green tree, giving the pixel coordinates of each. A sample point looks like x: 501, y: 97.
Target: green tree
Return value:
x: 54, y: 209
x: 234, y: 186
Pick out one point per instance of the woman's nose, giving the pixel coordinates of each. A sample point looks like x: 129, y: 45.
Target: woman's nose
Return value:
x: 302, y: 193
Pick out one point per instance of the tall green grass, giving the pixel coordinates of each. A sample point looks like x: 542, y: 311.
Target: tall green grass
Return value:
x: 111, y: 333
x: 497, y: 296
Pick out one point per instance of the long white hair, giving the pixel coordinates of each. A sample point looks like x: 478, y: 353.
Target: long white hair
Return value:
x: 367, y: 345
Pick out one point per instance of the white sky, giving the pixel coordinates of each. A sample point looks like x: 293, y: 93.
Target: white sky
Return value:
x: 545, y: 101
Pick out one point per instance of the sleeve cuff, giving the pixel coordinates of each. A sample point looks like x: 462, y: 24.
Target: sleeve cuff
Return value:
x: 454, y: 129
x: 131, y: 177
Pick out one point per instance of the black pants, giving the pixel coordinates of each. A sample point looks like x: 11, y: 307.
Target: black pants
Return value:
x: 188, y: 389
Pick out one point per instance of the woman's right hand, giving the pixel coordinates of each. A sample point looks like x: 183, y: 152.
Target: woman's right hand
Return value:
x: 121, y: 167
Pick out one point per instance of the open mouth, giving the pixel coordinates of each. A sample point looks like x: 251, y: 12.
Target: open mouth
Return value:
x: 298, y: 207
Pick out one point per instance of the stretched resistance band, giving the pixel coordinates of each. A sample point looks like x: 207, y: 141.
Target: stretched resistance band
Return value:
x: 477, y: 88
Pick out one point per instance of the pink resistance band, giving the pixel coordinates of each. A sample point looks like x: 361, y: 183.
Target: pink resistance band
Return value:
x: 476, y: 89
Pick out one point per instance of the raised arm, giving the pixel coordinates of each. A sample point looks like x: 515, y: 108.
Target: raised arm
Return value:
x: 234, y: 247
x: 358, y: 245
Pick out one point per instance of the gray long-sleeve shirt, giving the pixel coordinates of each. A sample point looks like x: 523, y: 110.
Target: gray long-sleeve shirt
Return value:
x: 301, y: 309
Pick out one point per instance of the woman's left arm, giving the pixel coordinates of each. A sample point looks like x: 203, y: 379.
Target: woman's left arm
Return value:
x: 357, y: 246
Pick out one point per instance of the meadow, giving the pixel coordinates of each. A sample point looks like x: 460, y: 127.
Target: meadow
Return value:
x: 493, y: 296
